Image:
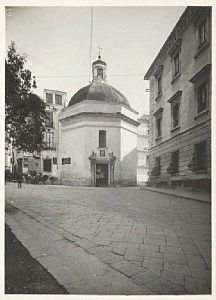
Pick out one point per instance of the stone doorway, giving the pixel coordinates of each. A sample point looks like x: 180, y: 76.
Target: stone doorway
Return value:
x: 101, y: 174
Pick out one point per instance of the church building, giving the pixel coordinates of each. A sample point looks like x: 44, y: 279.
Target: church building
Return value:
x: 97, y: 143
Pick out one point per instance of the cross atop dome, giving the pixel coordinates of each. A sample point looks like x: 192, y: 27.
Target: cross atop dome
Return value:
x: 99, y: 48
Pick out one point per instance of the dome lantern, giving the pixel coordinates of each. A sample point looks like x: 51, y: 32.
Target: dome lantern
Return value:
x: 99, y: 70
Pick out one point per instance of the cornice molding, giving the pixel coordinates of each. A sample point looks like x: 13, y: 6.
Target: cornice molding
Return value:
x: 158, y: 111
x: 117, y: 115
x: 205, y: 70
x: 175, y: 96
x: 187, y: 18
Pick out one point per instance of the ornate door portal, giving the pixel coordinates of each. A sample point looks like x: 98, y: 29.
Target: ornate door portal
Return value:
x: 101, y: 174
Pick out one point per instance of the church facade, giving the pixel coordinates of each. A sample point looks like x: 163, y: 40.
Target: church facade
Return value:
x: 98, y: 136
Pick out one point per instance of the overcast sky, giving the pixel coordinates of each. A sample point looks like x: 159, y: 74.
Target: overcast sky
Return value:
x: 57, y: 42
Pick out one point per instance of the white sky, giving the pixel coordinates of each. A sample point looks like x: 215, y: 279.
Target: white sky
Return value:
x: 57, y: 42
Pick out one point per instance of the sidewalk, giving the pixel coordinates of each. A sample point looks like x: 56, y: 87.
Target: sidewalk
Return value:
x: 182, y: 193
x: 23, y: 274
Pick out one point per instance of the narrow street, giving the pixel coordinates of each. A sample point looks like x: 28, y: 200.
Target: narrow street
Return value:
x: 115, y: 240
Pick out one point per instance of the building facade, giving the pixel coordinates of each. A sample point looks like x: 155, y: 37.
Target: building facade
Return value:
x: 56, y: 101
x: 98, y: 136
x: 142, y: 151
x: 180, y: 104
x: 45, y: 162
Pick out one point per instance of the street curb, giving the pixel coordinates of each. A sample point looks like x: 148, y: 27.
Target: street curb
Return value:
x: 175, y: 195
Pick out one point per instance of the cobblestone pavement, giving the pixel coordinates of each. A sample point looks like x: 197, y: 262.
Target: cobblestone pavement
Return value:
x: 115, y: 240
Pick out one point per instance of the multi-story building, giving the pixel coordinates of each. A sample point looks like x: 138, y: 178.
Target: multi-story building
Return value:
x: 180, y: 103
x: 46, y: 161
x: 142, y: 150
x: 55, y: 100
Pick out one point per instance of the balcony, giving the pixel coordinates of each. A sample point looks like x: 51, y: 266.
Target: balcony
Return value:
x: 50, y: 146
x: 50, y: 124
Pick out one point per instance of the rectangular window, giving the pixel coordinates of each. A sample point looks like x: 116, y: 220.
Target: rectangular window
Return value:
x: 55, y: 160
x: 66, y: 161
x: 49, y: 120
x: 58, y: 99
x: 49, y: 98
x: 49, y: 139
x: 158, y: 126
x: 175, y: 162
x: 200, y: 156
x: 102, y: 153
x: 47, y: 165
x: 102, y: 138
x: 202, y: 96
x: 202, y: 34
x: 159, y: 85
x: 176, y: 64
x: 175, y: 115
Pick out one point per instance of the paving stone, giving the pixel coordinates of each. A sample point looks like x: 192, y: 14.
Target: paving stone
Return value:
x: 190, y: 249
x: 134, y: 255
x: 186, y: 240
x: 152, y: 254
x: 177, y: 268
x: 173, y: 243
x: 205, y: 274
x: 171, y: 250
x: 158, y: 285
x: 152, y: 263
x: 127, y: 268
x: 130, y: 246
x: 173, y: 290
x: 117, y: 237
x: 101, y: 242
x: 146, y: 277
x: 173, y: 277
x: 175, y: 259
x: 149, y: 247
x: 119, y: 250
x: 111, y: 258
x: 205, y: 252
x: 154, y: 241
x: 131, y: 238
x: 196, y: 286
x: 195, y: 261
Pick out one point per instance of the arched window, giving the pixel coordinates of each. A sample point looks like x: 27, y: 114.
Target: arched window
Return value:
x: 102, y: 138
x: 100, y: 72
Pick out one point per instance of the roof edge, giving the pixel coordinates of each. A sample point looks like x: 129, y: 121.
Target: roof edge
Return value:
x: 179, y: 29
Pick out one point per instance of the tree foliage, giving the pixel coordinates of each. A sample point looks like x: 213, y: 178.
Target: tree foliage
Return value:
x: 25, y: 111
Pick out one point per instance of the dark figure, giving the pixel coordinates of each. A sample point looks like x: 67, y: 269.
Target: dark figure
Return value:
x: 20, y: 179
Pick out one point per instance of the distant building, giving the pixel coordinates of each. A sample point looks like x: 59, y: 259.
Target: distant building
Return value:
x: 142, y: 150
x: 180, y: 104
x: 98, y: 136
x: 46, y: 161
x: 56, y: 101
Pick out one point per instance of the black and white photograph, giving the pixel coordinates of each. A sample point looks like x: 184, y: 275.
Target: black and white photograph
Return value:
x: 107, y: 161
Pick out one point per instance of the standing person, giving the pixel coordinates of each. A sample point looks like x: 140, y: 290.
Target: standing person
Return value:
x: 20, y: 179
